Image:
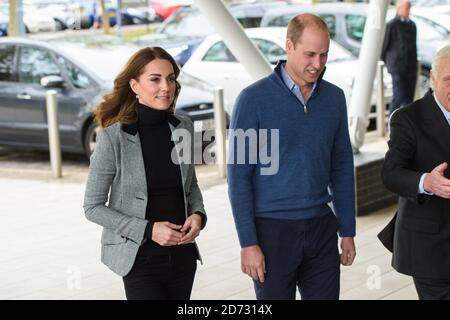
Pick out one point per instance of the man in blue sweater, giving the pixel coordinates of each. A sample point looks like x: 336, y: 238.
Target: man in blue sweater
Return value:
x: 287, y: 230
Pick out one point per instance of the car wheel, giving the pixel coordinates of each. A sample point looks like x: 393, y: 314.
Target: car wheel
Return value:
x: 90, y: 139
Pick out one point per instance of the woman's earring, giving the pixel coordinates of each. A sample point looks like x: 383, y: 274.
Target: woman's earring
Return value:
x: 137, y: 97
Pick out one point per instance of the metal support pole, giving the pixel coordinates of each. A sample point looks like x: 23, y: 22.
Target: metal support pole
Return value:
x: 53, y: 133
x: 418, y: 89
x: 381, y: 104
x: 359, y: 107
x: 119, y: 18
x: 235, y: 38
x: 220, y: 132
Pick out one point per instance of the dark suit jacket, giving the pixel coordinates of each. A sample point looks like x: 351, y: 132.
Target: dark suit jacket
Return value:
x: 399, y: 50
x: 420, y: 140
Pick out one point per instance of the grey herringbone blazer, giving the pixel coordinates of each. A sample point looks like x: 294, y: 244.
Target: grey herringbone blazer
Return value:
x: 116, y: 190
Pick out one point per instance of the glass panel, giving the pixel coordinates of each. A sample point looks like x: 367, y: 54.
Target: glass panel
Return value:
x: 355, y: 26
x: 219, y: 53
x: 7, y: 63
x: 36, y: 63
x: 79, y: 78
x: 270, y: 50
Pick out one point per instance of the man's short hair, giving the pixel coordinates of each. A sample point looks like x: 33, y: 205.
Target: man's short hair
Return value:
x: 300, y: 22
x: 444, y: 52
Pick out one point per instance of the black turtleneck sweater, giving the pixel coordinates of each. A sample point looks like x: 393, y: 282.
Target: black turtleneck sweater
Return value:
x: 164, y: 183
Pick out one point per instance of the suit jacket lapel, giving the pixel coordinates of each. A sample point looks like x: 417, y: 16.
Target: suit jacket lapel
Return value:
x: 436, y: 123
x: 133, y: 161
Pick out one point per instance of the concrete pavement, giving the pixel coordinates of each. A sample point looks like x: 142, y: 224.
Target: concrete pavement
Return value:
x: 50, y: 251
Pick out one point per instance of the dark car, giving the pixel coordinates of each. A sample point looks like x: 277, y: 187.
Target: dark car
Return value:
x: 3, y: 26
x: 184, y: 30
x: 80, y: 74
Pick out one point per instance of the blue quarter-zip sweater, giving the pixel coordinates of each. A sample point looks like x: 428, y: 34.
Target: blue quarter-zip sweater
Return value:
x: 315, y: 164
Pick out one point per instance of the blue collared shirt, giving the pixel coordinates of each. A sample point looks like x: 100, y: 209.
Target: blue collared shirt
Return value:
x: 447, y: 116
x: 292, y: 86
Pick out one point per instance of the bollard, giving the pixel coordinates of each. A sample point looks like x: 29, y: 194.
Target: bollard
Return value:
x: 53, y: 133
x: 381, y: 105
x: 220, y: 132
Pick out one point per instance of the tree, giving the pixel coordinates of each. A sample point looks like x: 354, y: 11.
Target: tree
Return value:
x: 13, y: 27
x: 105, y: 17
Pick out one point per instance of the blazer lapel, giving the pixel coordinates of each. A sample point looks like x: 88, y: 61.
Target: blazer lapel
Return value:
x: 436, y: 122
x: 132, y: 159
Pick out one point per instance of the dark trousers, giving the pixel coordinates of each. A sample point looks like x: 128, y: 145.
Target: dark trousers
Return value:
x: 403, y: 87
x: 299, y: 253
x: 162, y: 276
x: 432, y: 289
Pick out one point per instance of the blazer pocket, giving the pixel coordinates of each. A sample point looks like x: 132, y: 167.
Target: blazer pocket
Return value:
x: 421, y: 225
x: 113, y: 240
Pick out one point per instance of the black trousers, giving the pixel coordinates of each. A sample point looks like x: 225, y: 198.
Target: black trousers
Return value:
x: 163, y: 275
x: 403, y: 87
x: 432, y: 289
x: 299, y: 253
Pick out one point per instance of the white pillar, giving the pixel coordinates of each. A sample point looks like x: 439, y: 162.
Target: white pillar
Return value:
x: 235, y: 38
x: 119, y: 21
x: 53, y: 133
x: 220, y: 133
x: 363, y: 86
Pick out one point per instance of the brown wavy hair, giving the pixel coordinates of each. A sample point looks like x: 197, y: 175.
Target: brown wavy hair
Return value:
x: 119, y: 105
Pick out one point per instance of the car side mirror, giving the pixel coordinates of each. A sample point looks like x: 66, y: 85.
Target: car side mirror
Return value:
x: 52, y: 82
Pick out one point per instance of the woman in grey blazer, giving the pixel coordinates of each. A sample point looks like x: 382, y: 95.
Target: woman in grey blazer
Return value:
x: 142, y: 187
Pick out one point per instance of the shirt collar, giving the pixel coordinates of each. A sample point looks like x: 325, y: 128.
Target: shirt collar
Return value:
x: 444, y: 111
x: 290, y: 83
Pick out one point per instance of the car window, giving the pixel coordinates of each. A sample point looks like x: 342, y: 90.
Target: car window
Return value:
x: 280, y: 21
x: 270, y: 50
x: 219, y: 53
x: 283, y: 21
x: 36, y: 63
x: 330, y: 20
x: 354, y: 25
x: 250, y: 22
x: 78, y: 78
x: 6, y: 62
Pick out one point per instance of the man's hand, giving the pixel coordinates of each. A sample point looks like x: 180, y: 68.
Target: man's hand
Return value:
x: 192, y: 226
x: 252, y: 262
x: 436, y: 183
x: 348, y: 251
x: 166, y: 234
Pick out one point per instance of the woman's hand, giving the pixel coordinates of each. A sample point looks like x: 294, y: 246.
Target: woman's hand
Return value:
x: 167, y: 234
x: 192, y: 226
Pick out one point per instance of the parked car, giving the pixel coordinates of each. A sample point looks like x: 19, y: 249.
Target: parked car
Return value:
x: 346, y: 23
x: 3, y: 25
x: 33, y: 21
x: 182, y: 32
x: 432, y: 3
x: 213, y: 62
x: 80, y: 74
